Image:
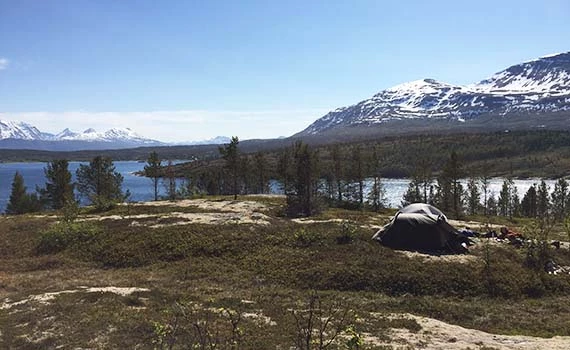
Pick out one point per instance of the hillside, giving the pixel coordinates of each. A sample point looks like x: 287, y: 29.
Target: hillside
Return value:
x: 237, y: 273
x: 526, y: 96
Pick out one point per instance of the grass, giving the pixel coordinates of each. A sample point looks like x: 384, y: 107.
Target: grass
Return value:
x: 211, y: 273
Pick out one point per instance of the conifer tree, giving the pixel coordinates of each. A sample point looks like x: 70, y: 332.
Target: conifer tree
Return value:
x: 357, y: 177
x: 17, y: 203
x: 560, y: 199
x: 230, y: 154
x: 337, y: 172
x: 284, y: 168
x: 485, y: 184
x: 474, y: 196
x: 377, y: 194
x: 505, y: 198
x: 261, y: 168
x: 542, y: 200
x: 20, y: 201
x: 58, y: 190
x: 450, y: 190
x: 170, y: 181
x: 100, y: 183
x: 529, y: 202
x: 152, y: 171
x: 413, y: 194
x: 491, y: 205
x: 302, y: 194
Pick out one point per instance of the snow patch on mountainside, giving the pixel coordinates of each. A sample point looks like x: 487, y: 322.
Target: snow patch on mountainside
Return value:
x: 115, y: 134
x: 541, y: 85
x: 19, y: 130
x: 23, y: 131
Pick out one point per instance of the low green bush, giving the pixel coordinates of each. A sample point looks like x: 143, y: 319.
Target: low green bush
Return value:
x: 305, y: 238
x: 64, y: 234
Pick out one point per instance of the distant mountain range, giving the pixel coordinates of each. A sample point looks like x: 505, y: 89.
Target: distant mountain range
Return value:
x: 529, y: 95
x: 218, y: 140
x: 20, y: 135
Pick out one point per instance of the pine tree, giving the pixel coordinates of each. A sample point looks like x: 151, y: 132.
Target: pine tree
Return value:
x: 230, y: 154
x: 337, y: 172
x: 21, y: 202
x: 529, y: 202
x: 485, y: 184
x: 152, y: 170
x: 542, y: 200
x: 424, y: 178
x: 284, y: 168
x: 450, y: 190
x: 261, y: 168
x: 560, y: 199
x: 491, y: 205
x: 377, y: 195
x: 474, y: 196
x: 515, y: 202
x: 170, y: 181
x: 100, y: 183
x: 302, y: 194
x: 505, y: 198
x: 17, y: 203
x: 357, y: 177
x: 413, y: 194
x: 58, y: 191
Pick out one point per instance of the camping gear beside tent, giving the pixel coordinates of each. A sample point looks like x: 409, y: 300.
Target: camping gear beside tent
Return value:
x: 422, y: 228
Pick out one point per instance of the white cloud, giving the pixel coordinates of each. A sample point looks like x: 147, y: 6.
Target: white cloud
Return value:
x: 178, y: 126
x: 3, y: 63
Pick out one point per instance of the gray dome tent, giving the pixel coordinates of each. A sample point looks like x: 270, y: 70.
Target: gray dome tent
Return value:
x: 421, y: 227
x: 422, y: 208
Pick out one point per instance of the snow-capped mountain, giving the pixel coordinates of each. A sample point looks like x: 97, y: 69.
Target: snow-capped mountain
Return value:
x: 19, y: 130
x: 534, y: 88
x: 112, y: 135
x: 14, y: 134
x: 218, y: 140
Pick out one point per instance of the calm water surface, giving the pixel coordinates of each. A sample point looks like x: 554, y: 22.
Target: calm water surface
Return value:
x: 140, y: 187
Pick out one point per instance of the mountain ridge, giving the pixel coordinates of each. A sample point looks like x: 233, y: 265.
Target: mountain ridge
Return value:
x: 538, y: 86
x: 22, y: 135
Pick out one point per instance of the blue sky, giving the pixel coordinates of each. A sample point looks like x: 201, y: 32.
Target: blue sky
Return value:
x: 192, y: 70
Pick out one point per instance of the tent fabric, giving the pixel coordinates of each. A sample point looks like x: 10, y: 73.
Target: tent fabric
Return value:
x: 422, y: 208
x: 421, y: 231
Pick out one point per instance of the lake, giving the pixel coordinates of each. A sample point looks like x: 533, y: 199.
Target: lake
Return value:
x: 141, y: 187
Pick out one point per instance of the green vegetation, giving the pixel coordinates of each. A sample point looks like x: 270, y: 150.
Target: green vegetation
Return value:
x: 152, y: 170
x: 250, y: 286
x: 20, y: 201
x: 59, y: 188
x: 100, y: 183
x: 273, y: 282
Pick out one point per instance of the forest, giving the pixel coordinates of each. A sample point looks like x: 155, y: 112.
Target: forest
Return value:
x: 349, y: 175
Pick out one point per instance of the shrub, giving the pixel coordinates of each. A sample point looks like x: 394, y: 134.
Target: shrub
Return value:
x: 63, y: 234
x: 348, y: 232
x: 305, y: 238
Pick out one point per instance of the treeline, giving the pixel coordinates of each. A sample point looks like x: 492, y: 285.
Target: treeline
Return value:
x: 349, y: 175
x: 539, y: 153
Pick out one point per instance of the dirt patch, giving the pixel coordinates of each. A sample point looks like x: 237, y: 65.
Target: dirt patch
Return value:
x: 216, y: 212
x: 313, y: 221
x: 212, y: 205
x: 440, y: 335
x: 458, y: 258
x: 45, y: 298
